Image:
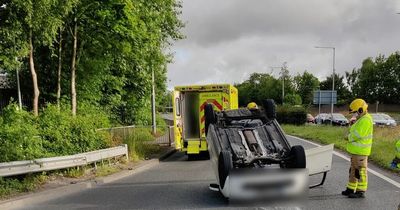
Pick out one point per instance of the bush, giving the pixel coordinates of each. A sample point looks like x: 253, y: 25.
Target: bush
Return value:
x: 291, y: 115
x: 19, y: 138
x: 63, y: 134
x: 54, y: 133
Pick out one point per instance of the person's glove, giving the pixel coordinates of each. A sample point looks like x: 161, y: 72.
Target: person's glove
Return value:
x: 393, y: 165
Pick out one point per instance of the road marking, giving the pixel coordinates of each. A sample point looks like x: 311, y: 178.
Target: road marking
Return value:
x: 391, y: 181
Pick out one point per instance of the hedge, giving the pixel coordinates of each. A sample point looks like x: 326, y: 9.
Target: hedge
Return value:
x: 291, y: 115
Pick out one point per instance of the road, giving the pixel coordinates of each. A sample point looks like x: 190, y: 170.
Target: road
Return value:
x: 180, y: 184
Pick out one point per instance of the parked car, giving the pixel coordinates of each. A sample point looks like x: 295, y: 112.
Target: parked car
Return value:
x: 391, y: 121
x: 381, y: 119
x: 310, y: 118
x: 321, y: 118
x: 336, y: 118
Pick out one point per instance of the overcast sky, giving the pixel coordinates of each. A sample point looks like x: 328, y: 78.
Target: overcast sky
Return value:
x: 227, y: 40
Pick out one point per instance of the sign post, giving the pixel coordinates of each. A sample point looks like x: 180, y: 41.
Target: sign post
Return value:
x: 325, y: 97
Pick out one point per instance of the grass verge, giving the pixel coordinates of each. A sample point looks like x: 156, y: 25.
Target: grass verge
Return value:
x: 383, y: 148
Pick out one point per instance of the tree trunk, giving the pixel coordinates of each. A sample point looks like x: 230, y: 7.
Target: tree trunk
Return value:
x: 59, y: 70
x: 73, y: 69
x: 34, y: 77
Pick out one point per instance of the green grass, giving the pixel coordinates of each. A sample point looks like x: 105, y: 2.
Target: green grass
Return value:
x: 12, y: 186
x: 383, y: 148
x: 105, y: 170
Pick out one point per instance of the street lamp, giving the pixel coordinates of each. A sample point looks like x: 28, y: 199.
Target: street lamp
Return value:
x: 153, y: 102
x: 333, y: 76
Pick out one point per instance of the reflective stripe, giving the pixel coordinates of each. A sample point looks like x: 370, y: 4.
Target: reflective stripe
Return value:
x: 358, y: 136
x: 352, y: 185
x: 360, y: 144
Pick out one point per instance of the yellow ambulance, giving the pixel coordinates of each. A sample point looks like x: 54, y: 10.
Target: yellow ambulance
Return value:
x: 188, y: 110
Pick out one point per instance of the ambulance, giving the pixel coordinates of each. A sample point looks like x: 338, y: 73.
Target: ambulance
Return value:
x: 188, y: 110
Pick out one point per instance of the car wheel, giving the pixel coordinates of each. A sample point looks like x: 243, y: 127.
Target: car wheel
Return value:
x: 299, y: 157
x: 225, y: 165
x: 270, y: 108
x: 209, y: 114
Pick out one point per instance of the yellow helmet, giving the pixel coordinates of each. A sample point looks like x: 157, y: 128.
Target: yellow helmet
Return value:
x: 358, y: 105
x: 252, y: 105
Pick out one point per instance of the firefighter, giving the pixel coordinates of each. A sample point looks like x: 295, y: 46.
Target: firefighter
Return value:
x: 396, y: 161
x: 252, y: 106
x: 359, y: 147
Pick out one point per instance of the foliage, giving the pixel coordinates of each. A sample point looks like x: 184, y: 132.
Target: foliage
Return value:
x: 296, y: 115
x: 377, y: 80
x: 54, y: 133
x: 293, y: 99
x: 343, y: 93
x: 305, y: 85
x: 18, y: 135
x: 261, y: 86
x: 63, y: 134
x: 10, y: 186
x: 120, y: 43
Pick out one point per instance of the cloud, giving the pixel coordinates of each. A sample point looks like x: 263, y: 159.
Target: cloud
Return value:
x: 228, y: 40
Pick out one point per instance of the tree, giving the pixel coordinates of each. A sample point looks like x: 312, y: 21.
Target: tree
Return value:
x: 377, y: 80
x: 293, y: 99
x: 343, y: 93
x: 258, y: 87
x: 27, y: 24
x: 305, y: 85
x: 118, y: 43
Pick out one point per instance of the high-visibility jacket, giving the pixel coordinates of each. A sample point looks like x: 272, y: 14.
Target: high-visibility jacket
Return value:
x: 398, y: 149
x: 360, y: 136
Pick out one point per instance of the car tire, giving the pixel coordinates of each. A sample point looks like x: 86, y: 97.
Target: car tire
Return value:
x: 299, y: 157
x: 210, y: 117
x: 270, y: 108
x: 225, y: 165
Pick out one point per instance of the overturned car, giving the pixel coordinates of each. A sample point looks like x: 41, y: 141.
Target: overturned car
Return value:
x: 251, y: 156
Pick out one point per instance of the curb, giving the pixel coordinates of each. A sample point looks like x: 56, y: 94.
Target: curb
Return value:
x: 39, y: 197
x: 167, y: 154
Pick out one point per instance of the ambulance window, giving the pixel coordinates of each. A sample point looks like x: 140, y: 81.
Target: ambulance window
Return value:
x: 178, y: 107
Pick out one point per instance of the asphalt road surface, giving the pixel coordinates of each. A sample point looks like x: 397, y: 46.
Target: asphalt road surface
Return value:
x: 180, y: 184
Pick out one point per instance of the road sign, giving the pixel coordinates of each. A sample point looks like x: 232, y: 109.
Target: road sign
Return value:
x: 325, y: 97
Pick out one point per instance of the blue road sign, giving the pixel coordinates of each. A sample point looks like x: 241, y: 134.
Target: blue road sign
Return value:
x: 325, y: 97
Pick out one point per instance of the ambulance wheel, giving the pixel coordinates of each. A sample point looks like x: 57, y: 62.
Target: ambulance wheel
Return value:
x: 270, y: 108
x: 299, y: 157
x: 225, y: 165
x: 210, y: 118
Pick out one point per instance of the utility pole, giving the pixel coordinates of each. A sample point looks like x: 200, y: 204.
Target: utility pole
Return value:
x: 333, y: 75
x: 153, y: 103
x: 18, y: 84
x: 19, y: 91
x: 283, y: 74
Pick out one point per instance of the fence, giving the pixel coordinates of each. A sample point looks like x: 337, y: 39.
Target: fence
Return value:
x: 164, y: 135
x: 54, y: 163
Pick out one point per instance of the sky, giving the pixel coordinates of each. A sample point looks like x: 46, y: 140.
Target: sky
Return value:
x: 227, y: 40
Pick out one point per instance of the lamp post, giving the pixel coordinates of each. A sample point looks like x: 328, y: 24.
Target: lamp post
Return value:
x: 333, y: 75
x: 153, y: 102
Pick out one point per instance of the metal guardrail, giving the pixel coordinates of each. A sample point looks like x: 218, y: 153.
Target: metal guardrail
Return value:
x: 48, y: 164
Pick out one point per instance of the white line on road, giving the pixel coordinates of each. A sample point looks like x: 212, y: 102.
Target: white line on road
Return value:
x: 391, y: 181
